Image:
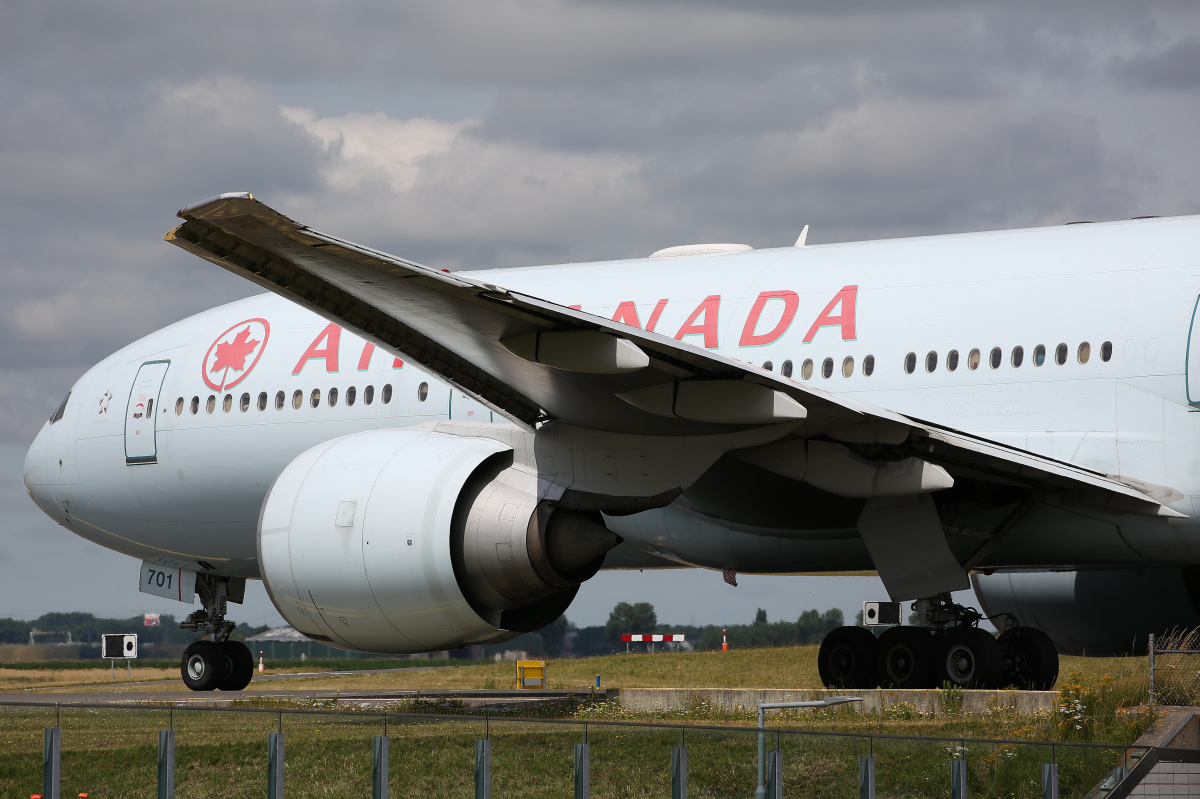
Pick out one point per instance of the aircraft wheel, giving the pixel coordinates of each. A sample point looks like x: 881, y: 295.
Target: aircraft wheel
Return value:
x: 241, y: 666
x: 968, y: 657
x: 847, y: 658
x: 905, y: 658
x: 1030, y: 659
x: 203, y: 664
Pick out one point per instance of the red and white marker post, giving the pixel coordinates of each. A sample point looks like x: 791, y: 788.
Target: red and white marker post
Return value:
x: 260, y: 662
x: 724, y: 643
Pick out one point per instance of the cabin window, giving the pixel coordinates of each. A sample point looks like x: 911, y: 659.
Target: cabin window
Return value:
x: 385, y: 395
x: 869, y: 365
x: 770, y: 367
x: 806, y: 369
x: 314, y: 399
x: 996, y: 357
x: 149, y: 408
x: 179, y: 406
x: 298, y: 399
x: 195, y: 405
x: 351, y: 393
x: 1106, y: 351
x: 333, y: 395
x: 262, y: 400
x: 422, y: 392
x: 786, y: 369
x: 1039, y: 355
x: 369, y: 394
x: 1018, y: 356
x: 951, y: 360
x: 827, y: 368
x: 227, y: 403
x: 973, y: 360
x: 244, y: 403
x: 848, y: 366
x: 280, y: 398
x: 211, y: 405
x: 931, y: 362
x: 1084, y: 353
x: 1060, y: 354
x: 910, y: 363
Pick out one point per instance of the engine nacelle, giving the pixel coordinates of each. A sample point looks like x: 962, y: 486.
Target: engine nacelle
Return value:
x: 407, y: 541
x: 1101, y: 612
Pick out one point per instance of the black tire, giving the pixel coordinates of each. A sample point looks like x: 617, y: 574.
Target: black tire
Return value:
x: 241, y: 666
x: 203, y: 665
x: 847, y: 658
x: 968, y: 657
x: 904, y: 658
x: 1030, y: 659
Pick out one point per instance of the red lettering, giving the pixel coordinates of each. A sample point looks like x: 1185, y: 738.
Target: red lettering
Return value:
x: 708, y: 328
x: 627, y: 314
x: 364, y: 360
x: 846, y: 298
x: 331, y: 335
x: 658, y: 309
x: 790, y: 303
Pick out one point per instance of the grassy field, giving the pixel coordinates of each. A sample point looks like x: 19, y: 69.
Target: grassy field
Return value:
x: 113, y: 752
x: 784, y: 667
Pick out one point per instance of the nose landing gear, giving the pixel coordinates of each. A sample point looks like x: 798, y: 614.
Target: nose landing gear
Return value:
x: 217, y: 664
x: 946, y: 648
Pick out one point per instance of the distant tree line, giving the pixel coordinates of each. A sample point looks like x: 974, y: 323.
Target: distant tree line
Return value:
x: 85, y: 628
x: 562, y: 638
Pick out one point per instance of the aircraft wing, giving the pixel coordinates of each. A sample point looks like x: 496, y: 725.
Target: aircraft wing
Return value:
x: 535, y: 361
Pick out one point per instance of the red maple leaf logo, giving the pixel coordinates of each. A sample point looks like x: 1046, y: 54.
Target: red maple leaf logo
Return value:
x: 233, y: 354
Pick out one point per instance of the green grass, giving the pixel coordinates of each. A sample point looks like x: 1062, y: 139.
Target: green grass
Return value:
x: 112, y: 752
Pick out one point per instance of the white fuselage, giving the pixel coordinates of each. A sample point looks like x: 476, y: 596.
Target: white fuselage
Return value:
x: 1125, y: 288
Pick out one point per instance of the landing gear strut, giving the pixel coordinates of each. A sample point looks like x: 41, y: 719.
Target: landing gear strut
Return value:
x: 218, y: 663
x: 945, y: 648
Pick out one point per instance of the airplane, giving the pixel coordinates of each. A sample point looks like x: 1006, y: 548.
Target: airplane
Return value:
x: 415, y: 460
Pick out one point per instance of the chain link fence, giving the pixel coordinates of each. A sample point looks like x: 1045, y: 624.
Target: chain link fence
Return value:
x: 1175, y: 668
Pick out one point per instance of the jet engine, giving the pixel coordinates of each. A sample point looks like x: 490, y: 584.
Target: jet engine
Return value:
x: 407, y: 541
x: 1100, y: 612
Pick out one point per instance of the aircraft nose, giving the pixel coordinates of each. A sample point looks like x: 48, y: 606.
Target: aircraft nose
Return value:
x: 44, y: 474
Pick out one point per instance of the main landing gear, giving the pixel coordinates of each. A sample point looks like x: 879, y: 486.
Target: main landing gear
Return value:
x: 947, y: 648
x: 217, y: 664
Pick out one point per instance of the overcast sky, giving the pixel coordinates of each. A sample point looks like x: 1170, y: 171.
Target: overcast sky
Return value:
x: 483, y: 134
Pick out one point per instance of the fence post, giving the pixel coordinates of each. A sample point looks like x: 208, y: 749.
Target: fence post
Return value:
x: 774, y: 775
x: 958, y: 779
x: 379, y: 769
x: 678, y: 772
x: 1151, y: 650
x: 583, y: 771
x: 275, y: 765
x: 866, y: 777
x: 166, y: 764
x: 1049, y: 781
x: 51, y: 761
x: 483, y: 769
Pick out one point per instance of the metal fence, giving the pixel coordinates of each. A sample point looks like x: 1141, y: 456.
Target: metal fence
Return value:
x: 83, y: 748
x: 1175, y: 668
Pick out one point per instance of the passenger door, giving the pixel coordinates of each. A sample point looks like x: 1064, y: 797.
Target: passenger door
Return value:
x: 1192, y: 363
x: 140, y: 414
